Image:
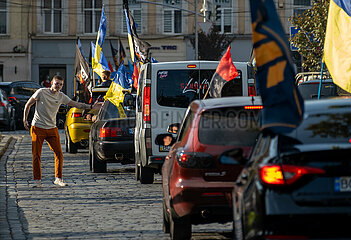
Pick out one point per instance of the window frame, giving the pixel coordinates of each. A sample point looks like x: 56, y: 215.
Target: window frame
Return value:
x: 173, y: 21
x: 94, y: 11
x: 52, y: 11
x: 6, y: 11
x: 222, y: 17
x: 124, y: 23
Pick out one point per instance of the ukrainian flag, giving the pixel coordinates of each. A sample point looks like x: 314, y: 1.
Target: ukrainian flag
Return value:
x: 97, y: 65
x: 282, y: 104
x: 102, y: 64
x: 115, y: 95
x: 337, y: 45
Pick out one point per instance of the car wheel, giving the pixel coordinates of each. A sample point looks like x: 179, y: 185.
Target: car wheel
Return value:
x: 180, y: 228
x: 98, y: 166
x: 146, y: 175
x: 13, y: 122
x: 166, y: 227
x: 72, y: 147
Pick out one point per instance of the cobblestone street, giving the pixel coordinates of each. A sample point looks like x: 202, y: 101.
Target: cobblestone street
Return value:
x: 93, y: 206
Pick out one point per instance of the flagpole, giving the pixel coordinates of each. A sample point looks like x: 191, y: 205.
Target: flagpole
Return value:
x: 320, y: 83
x: 196, y: 35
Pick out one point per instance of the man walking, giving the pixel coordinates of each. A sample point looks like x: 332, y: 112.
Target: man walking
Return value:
x: 43, y: 126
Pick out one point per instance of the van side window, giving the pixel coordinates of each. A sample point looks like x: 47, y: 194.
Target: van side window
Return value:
x: 186, y: 123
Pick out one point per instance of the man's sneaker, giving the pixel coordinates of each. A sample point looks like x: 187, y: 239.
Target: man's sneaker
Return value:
x: 37, y: 184
x: 60, y: 182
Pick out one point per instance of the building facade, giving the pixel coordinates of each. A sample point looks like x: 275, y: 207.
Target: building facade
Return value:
x: 38, y: 36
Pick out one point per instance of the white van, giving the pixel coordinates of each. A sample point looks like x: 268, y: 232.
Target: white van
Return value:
x: 164, y: 93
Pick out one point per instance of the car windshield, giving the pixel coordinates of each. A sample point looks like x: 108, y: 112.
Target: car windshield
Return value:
x: 310, y: 90
x: 229, y: 126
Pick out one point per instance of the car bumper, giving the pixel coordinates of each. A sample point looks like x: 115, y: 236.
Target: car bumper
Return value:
x: 79, y: 131
x: 207, y: 201
x: 114, y: 151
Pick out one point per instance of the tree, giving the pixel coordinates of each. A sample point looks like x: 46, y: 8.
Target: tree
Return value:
x: 211, y: 45
x: 309, y: 40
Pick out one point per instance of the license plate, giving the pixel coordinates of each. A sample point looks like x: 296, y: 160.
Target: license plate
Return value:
x: 342, y: 184
x: 164, y: 148
x: 131, y: 131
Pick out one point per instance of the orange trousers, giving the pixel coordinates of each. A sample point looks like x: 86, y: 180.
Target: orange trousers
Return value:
x: 52, y: 137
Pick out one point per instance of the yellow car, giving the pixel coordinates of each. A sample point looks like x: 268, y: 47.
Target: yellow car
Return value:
x: 78, y: 123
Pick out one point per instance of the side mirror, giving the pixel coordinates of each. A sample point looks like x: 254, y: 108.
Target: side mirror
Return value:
x: 173, y: 128
x: 164, y: 141
x: 233, y: 157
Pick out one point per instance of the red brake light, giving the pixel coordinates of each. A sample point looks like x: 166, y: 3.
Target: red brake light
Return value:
x: 191, y: 66
x: 285, y: 174
x: 110, y: 132
x: 252, y: 90
x: 197, y: 160
x: 146, y: 105
x: 254, y: 107
x: 12, y: 99
x: 76, y: 115
x: 2, y: 104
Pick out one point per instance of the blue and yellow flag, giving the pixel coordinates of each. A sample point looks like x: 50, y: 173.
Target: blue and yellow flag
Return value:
x: 121, y: 80
x: 283, y: 105
x: 337, y: 45
x: 102, y: 64
x: 97, y: 53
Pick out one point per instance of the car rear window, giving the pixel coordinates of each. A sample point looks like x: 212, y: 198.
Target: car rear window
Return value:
x: 178, y: 88
x: 325, y: 128
x: 229, y: 126
x: 310, y: 90
x: 110, y: 111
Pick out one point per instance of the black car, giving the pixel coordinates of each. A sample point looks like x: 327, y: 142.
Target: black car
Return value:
x: 298, y: 185
x: 18, y: 93
x: 7, y: 113
x: 111, y: 138
x: 309, y: 89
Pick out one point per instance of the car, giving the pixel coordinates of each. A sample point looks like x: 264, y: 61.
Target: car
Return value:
x: 18, y: 93
x: 165, y: 91
x: 111, y: 138
x: 309, y: 89
x: 197, y: 186
x: 78, y: 123
x: 7, y: 113
x: 298, y: 185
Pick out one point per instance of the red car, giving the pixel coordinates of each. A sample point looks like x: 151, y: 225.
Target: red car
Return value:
x: 197, y: 182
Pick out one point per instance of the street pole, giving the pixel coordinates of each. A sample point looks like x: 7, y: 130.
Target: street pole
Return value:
x: 196, y: 35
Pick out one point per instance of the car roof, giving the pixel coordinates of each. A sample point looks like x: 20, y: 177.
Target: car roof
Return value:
x: 213, y: 103
x: 16, y: 82
x: 322, y: 105
x: 314, y: 81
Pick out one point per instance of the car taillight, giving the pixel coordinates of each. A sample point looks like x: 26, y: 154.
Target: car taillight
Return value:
x: 252, y: 90
x: 253, y: 107
x: 110, y: 132
x: 146, y: 104
x: 195, y: 160
x: 2, y: 104
x: 76, y: 115
x: 285, y: 174
x: 12, y: 99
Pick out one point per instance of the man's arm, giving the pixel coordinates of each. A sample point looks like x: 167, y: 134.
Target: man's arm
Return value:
x: 96, y: 105
x: 27, y: 107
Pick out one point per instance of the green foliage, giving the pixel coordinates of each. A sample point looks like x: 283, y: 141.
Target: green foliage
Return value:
x: 211, y: 45
x: 312, y: 22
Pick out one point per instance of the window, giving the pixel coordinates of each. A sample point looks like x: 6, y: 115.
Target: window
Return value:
x: 302, y: 2
x: 223, y: 22
x: 300, y: 6
x: 52, y: 16
x: 136, y: 13
x: 92, y: 15
x: 3, y: 17
x: 172, y: 21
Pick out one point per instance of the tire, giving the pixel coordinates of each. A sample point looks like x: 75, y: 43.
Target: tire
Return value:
x: 71, y: 147
x: 165, y: 226
x: 180, y: 228
x: 13, y: 122
x: 146, y: 175
x: 66, y: 143
x: 97, y: 165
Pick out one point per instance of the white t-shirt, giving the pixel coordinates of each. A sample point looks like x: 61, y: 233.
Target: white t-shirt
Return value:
x: 47, y: 106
